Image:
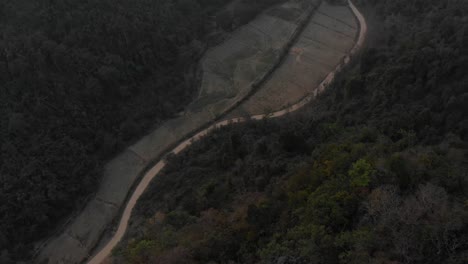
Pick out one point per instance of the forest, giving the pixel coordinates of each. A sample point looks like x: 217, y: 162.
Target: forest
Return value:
x: 373, y: 171
x: 82, y: 80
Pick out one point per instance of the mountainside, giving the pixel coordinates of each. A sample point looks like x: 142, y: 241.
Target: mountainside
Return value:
x: 81, y: 80
x: 373, y: 171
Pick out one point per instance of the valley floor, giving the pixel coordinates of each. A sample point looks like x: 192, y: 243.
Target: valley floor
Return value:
x: 230, y: 72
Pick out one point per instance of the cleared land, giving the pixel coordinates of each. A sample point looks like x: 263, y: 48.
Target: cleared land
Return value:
x: 229, y: 71
x: 323, y: 44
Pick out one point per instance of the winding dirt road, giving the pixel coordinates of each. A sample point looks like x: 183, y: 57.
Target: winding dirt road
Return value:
x: 154, y: 171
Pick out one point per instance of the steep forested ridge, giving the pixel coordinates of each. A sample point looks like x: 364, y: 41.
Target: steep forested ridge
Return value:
x: 80, y: 80
x: 374, y: 171
x: 414, y: 76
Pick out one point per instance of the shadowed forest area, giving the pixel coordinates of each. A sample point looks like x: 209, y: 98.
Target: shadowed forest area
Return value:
x: 374, y: 171
x: 81, y: 80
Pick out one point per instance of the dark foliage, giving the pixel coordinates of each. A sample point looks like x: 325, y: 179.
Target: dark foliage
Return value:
x: 80, y: 80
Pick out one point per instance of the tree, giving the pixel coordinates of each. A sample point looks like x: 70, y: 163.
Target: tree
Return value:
x: 360, y: 173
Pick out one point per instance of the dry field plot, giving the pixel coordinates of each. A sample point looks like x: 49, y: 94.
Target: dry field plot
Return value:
x: 290, y: 11
x: 234, y: 65
x: 323, y: 44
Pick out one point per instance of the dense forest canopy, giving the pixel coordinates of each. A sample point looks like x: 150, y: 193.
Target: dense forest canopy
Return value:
x: 374, y: 171
x: 82, y: 79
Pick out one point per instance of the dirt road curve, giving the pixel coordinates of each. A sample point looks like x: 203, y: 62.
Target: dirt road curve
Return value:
x: 153, y: 172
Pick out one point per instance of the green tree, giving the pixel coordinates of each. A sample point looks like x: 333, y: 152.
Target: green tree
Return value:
x: 360, y: 173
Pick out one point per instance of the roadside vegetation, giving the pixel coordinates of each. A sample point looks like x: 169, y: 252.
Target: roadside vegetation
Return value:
x: 375, y: 171
x: 81, y: 80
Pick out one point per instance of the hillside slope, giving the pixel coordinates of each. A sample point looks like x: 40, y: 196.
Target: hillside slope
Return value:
x: 79, y: 82
x: 373, y: 171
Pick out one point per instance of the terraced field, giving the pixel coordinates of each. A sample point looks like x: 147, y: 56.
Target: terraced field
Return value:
x: 230, y: 69
x: 323, y: 44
